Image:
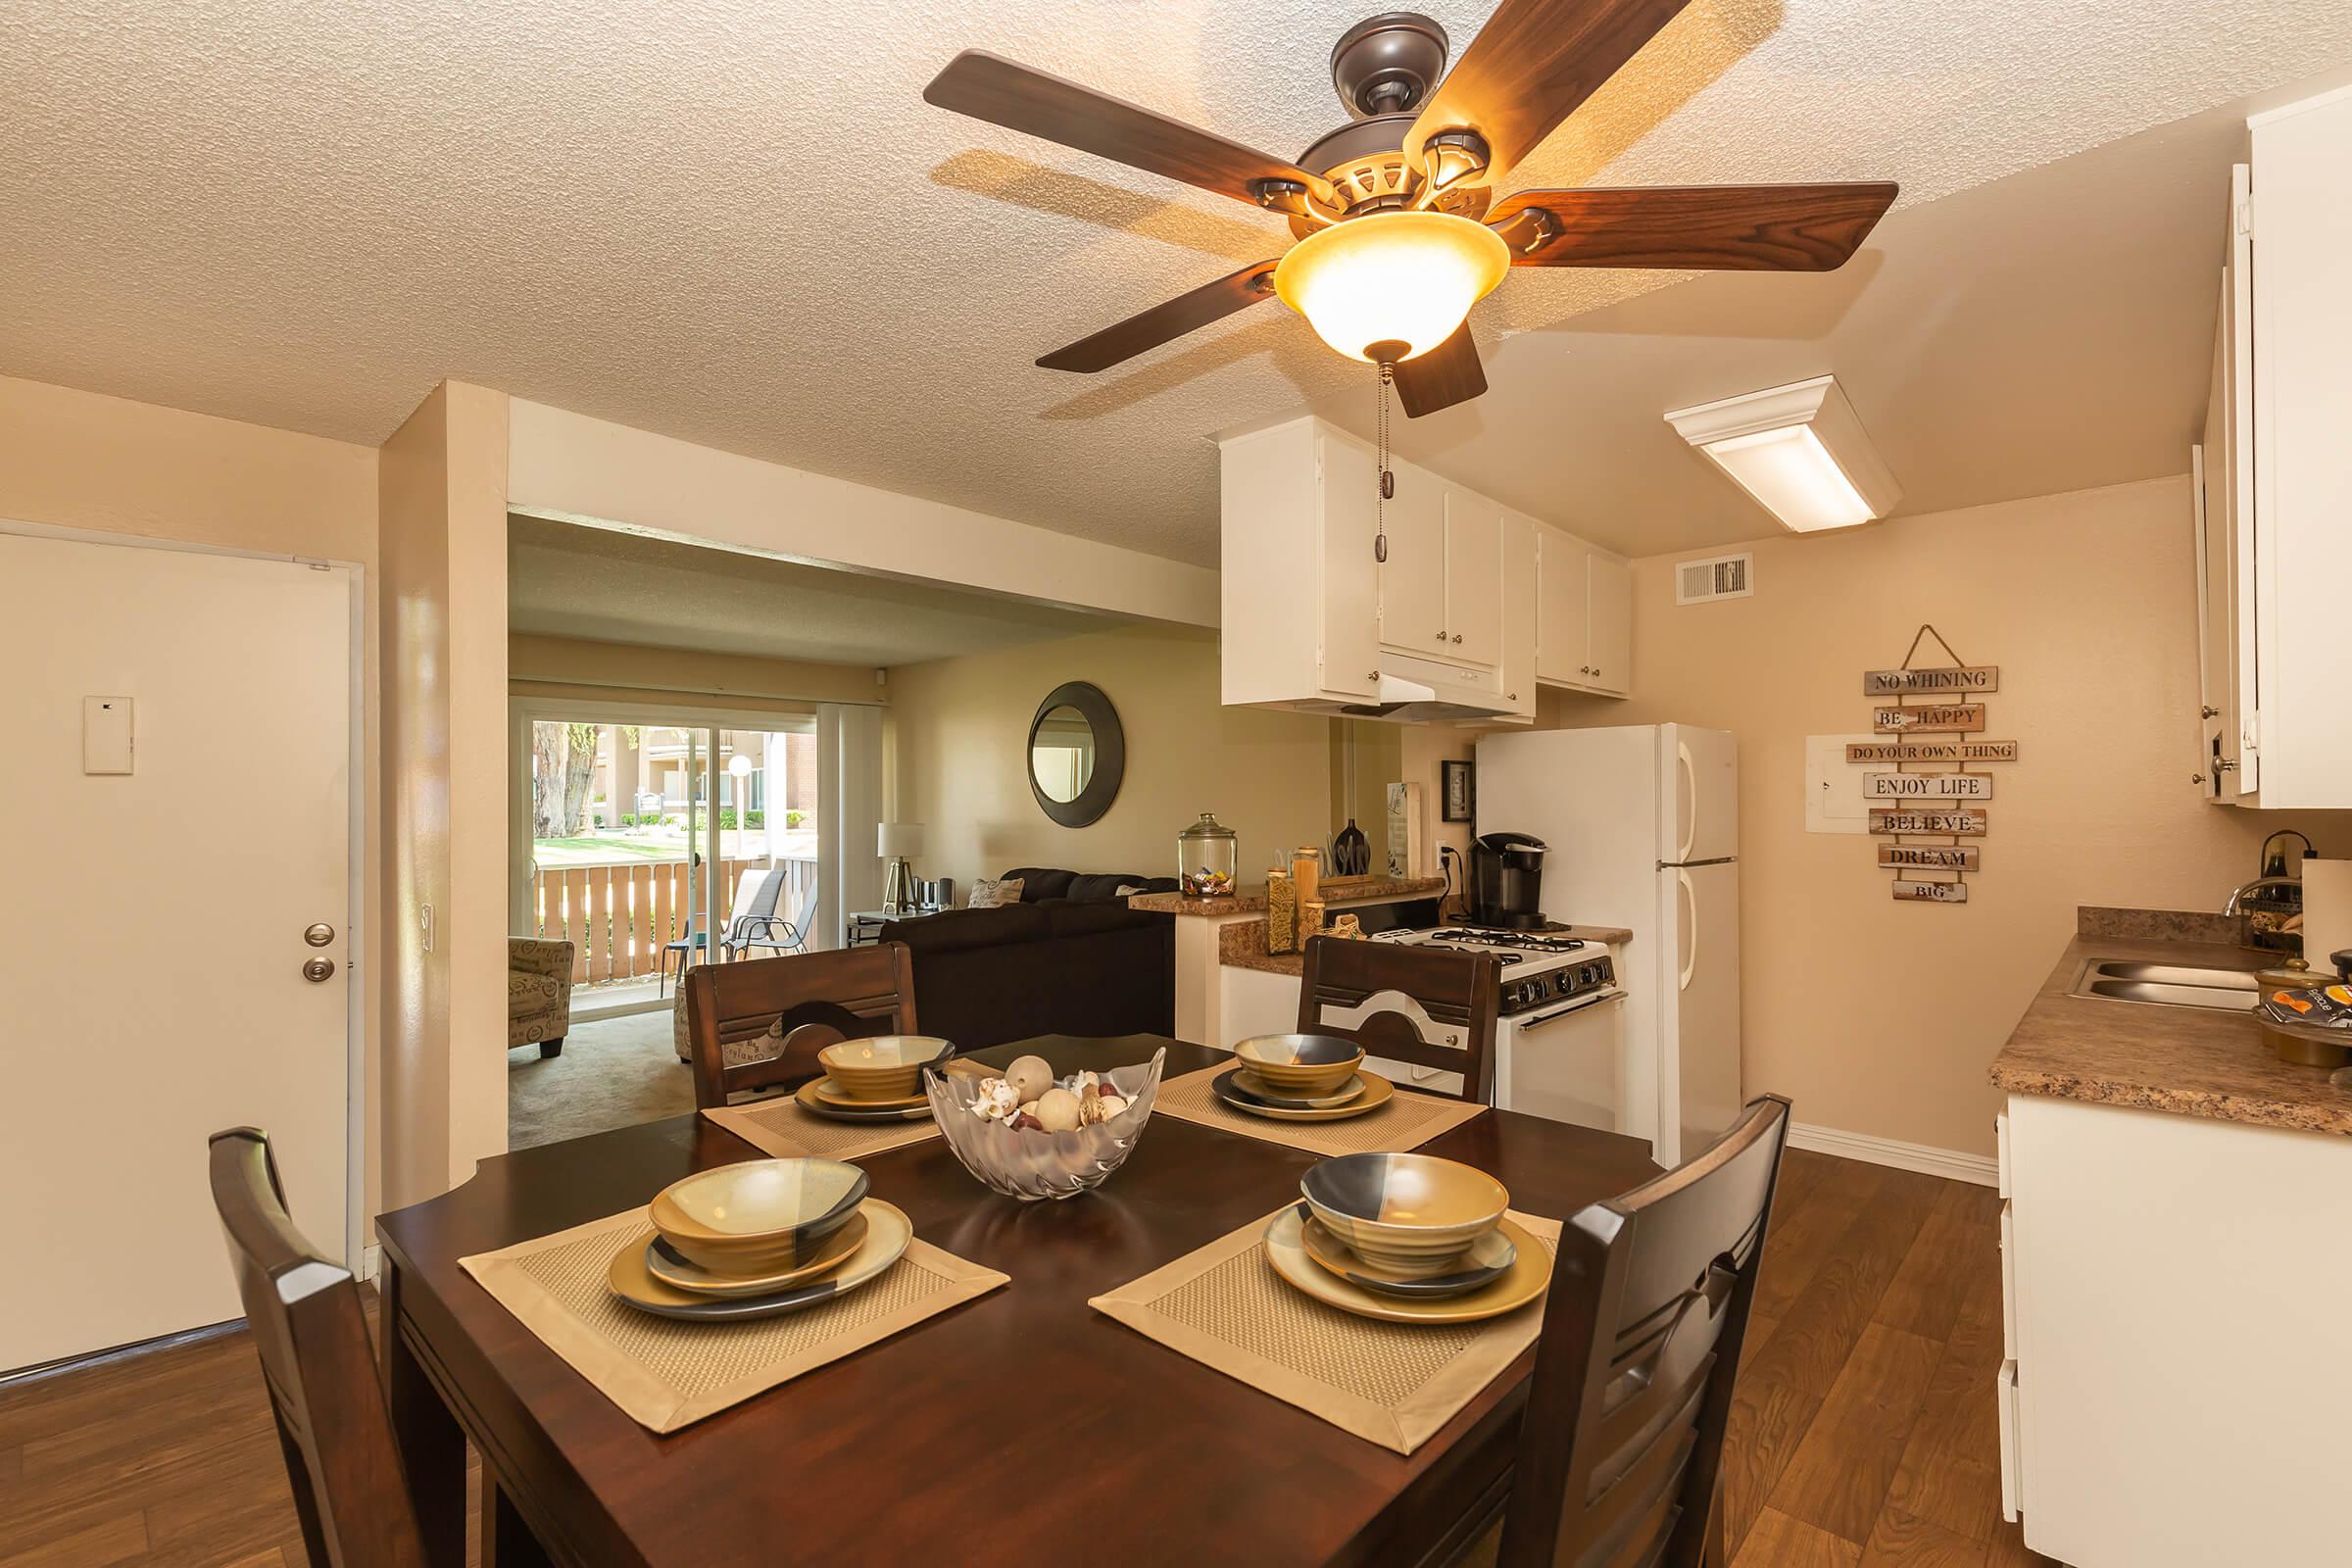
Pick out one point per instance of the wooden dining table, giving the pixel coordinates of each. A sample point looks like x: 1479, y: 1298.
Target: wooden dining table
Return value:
x: 1020, y: 1428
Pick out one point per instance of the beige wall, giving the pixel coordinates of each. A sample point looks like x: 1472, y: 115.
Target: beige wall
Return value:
x: 957, y: 731
x: 1879, y: 1018
x: 442, y: 504
x: 630, y: 673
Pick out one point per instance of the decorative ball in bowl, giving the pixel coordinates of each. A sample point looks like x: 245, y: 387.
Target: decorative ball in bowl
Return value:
x: 1030, y: 1134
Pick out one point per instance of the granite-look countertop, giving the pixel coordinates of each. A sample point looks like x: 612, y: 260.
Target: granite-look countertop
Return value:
x: 1243, y: 946
x: 2192, y: 1062
x: 1333, y: 889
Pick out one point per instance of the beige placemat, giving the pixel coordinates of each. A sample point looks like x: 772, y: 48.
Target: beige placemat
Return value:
x: 668, y: 1374
x: 1395, y: 1384
x: 782, y: 1129
x: 1407, y: 1121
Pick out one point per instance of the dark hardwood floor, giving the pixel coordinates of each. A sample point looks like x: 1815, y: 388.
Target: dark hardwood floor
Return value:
x: 1863, y: 1434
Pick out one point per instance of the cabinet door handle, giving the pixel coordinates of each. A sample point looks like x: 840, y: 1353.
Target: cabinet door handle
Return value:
x: 1457, y: 636
x: 2209, y: 712
x: 1440, y: 636
x: 1374, y: 675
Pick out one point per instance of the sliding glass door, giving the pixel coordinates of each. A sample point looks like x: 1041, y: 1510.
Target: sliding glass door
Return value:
x: 656, y: 843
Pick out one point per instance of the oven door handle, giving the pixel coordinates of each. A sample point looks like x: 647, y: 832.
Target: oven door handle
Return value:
x: 1591, y: 999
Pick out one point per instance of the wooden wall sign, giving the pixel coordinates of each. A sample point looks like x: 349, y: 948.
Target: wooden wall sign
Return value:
x: 1957, y: 823
x: 1966, y: 680
x: 1898, y: 720
x: 1931, y: 857
x: 1931, y: 892
x: 1928, y: 786
x: 1932, y: 751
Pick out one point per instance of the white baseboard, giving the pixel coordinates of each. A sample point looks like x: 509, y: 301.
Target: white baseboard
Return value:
x: 1981, y: 1169
x: 370, y: 1261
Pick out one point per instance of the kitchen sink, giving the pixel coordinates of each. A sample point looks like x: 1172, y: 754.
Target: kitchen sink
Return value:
x: 2165, y: 985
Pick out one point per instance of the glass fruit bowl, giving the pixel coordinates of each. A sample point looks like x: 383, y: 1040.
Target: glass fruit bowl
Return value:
x: 1031, y: 1164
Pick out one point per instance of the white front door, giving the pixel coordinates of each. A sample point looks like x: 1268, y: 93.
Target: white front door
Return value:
x: 152, y: 925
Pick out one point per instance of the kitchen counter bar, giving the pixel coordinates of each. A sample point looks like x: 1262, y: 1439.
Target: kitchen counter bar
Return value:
x: 1335, y: 891
x: 2190, y: 1061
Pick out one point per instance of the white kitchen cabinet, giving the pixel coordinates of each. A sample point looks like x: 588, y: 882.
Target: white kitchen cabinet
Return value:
x: 2278, y: 473
x: 1472, y: 576
x: 1520, y: 589
x: 1443, y: 627
x: 2171, y: 1397
x: 1302, y: 604
x: 1412, y: 579
x: 1584, y: 616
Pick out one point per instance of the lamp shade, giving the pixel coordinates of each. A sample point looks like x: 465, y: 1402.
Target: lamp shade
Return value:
x: 893, y: 839
x: 1390, y: 277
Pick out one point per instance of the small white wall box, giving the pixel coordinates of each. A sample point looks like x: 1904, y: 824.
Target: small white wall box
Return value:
x: 1833, y: 799
x: 106, y: 734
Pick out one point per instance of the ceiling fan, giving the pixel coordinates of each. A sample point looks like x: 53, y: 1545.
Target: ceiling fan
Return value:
x: 1398, y: 232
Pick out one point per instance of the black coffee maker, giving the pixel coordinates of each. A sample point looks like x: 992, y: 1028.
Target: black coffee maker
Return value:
x: 1507, y: 881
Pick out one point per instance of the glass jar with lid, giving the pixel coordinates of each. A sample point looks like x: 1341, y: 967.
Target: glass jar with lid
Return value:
x: 1207, y: 853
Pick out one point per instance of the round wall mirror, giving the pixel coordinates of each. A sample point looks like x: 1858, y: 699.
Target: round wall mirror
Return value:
x: 1077, y: 754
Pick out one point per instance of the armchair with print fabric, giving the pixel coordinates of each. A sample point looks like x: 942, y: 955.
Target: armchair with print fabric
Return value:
x: 538, y: 994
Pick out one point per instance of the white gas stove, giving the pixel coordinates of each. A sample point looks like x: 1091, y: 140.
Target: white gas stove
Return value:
x: 1558, y: 1045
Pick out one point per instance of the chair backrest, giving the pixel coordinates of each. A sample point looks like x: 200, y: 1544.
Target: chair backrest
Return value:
x: 1459, y: 992
x: 815, y: 998
x: 312, y: 1332
x: 1622, y: 1443
x: 756, y: 894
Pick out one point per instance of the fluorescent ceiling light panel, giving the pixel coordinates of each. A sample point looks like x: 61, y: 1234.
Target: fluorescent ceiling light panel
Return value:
x: 1798, y: 450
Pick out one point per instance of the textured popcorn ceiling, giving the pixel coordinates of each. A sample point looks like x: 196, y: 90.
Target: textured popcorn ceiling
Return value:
x: 736, y: 222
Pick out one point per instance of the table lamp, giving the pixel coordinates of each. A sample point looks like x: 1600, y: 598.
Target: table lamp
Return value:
x: 897, y: 843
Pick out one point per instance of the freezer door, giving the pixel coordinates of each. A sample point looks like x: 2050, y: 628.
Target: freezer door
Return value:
x: 1698, y: 1007
x: 1699, y: 812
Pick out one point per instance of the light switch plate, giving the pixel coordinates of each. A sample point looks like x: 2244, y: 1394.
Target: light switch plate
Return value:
x: 1833, y: 800
x: 107, y: 738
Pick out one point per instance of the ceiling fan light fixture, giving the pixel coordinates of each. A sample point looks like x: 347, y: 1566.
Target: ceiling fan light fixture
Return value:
x: 1798, y: 450
x: 1390, y: 277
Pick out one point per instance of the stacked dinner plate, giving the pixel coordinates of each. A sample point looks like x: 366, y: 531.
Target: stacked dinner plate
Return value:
x: 758, y: 1239
x: 879, y: 1079
x: 1300, y: 1078
x: 1408, y: 1238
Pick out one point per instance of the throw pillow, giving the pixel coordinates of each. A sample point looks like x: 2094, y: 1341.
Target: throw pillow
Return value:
x: 988, y: 895
x: 1128, y: 890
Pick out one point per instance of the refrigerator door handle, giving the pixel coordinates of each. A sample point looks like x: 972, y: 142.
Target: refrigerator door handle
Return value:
x: 1691, y: 953
x: 1685, y: 769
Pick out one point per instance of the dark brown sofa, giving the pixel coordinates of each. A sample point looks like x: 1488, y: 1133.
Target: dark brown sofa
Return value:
x: 1070, y: 958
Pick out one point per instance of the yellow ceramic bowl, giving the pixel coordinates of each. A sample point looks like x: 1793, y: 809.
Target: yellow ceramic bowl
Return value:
x: 1300, y: 1064
x: 885, y: 1067
x: 761, y: 1216
x: 1409, y: 1216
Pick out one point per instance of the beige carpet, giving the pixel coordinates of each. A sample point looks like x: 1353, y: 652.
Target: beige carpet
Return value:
x: 616, y: 1072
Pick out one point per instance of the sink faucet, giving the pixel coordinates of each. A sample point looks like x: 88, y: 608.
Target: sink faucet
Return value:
x: 2239, y: 895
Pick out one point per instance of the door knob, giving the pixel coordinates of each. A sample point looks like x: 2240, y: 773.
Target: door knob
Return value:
x: 318, y: 969
x: 318, y: 934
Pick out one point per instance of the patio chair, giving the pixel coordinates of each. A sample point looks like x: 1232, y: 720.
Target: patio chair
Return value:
x: 771, y: 930
x: 756, y: 894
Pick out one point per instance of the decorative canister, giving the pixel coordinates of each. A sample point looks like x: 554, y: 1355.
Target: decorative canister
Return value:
x: 1206, y: 855
x: 1351, y: 851
x: 1307, y: 871
x: 1282, y: 913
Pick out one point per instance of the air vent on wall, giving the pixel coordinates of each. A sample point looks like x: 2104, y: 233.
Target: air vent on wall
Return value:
x: 1721, y: 577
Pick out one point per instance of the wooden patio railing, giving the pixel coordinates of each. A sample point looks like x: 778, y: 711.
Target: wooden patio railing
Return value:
x: 619, y: 918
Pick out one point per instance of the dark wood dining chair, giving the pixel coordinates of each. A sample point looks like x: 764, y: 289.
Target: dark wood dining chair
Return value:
x: 811, y: 999
x: 1460, y: 991
x: 312, y: 1332
x: 1621, y: 1447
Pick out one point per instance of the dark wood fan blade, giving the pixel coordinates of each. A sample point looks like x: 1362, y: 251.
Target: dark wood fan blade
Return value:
x: 1528, y: 68
x: 1447, y: 375
x: 1006, y: 93
x: 1761, y: 228
x: 1165, y: 324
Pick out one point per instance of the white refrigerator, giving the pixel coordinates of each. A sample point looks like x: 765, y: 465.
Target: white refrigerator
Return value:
x: 1642, y: 822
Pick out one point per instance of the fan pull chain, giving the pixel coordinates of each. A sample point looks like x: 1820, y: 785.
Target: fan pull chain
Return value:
x: 1388, y: 481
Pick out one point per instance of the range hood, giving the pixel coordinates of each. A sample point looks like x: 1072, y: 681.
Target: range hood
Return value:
x: 1425, y: 692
